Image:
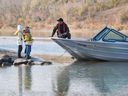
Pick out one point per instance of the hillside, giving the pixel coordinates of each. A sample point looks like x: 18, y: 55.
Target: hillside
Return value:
x: 79, y: 14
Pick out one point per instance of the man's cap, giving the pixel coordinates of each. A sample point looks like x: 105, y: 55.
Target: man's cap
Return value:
x: 60, y: 19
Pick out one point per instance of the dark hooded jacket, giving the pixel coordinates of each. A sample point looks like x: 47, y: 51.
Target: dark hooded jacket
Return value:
x: 61, y: 28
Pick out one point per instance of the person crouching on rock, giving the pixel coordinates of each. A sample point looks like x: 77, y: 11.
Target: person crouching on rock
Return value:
x: 28, y: 42
x: 62, y: 29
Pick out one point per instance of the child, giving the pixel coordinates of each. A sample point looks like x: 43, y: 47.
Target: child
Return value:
x: 28, y: 42
x: 19, y: 35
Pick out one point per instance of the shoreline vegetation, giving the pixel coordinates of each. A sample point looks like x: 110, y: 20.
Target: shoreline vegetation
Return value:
x: 87, y: 33
x: 84, y: 17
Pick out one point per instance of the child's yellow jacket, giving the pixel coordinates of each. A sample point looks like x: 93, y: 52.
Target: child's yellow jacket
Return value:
x: 28, y: 39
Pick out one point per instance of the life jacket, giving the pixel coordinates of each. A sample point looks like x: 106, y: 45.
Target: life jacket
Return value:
x: 61, y: 31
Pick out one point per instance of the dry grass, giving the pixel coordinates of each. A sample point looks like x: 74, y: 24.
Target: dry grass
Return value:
x: 47, y: 11
x: 7, y: 31
x: 84, y: 18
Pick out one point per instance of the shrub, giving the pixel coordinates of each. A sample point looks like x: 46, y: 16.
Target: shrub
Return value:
x: 124, y: 18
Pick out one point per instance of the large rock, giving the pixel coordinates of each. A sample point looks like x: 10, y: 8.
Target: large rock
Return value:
x: 46, y: 63
x: 6, y: 64
x: 39, y: 61
x: 6, y: 58
x: 20, y: 61
x: 32, y: 61
x: 1, y: 60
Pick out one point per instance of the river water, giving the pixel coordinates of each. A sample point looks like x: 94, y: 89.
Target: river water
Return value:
x: 40, y: 46
x: 77, y: 79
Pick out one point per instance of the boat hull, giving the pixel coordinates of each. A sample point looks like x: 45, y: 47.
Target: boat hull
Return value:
x: 86, y: 50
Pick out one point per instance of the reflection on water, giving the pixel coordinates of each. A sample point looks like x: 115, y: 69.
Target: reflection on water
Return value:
x: 20, y: 81
x: 50, y: 80
x: 24, y: 78
x: 27, y: 78
x: 78, y: 79
x: 98, y: 79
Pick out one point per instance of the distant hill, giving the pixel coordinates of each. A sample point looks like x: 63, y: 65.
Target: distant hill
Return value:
x: 76, y: 12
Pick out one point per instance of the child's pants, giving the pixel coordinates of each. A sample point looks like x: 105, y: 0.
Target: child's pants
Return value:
x: 28, y: 51
x: 19, y: 51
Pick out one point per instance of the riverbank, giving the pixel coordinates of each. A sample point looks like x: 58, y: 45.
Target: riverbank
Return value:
x: 8, y: 58
x: 42, y: 48
x: 61, y: 59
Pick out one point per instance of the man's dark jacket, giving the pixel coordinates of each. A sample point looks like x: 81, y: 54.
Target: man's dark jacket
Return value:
x: 61, y: 29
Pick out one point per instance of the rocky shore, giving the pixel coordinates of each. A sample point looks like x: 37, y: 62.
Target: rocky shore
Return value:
x: 9, y: 58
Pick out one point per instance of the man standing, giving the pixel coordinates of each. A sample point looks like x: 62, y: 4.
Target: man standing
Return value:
x: 62, y: 29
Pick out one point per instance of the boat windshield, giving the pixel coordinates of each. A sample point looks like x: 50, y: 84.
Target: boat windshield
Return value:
x: 114, y: 36
x: 109, y: 35
x: 101, y: 34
